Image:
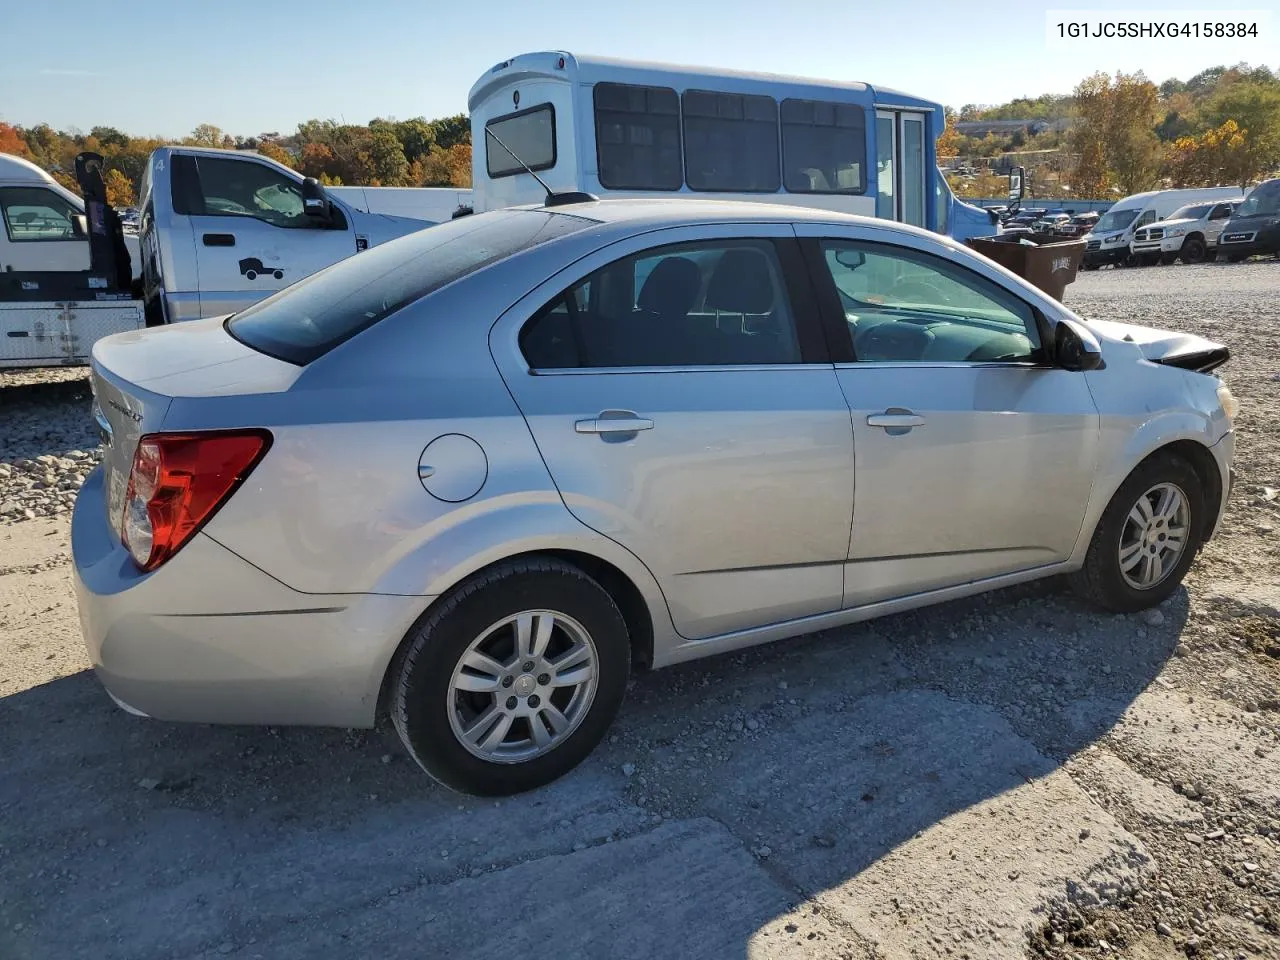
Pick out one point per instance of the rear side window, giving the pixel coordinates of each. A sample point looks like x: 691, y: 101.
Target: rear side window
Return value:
x: 824, y: 147
x: 638, y: 137
x: 709, y: 303
x: 309, y: 318
x: 730, y: 142
x: 528, y: 134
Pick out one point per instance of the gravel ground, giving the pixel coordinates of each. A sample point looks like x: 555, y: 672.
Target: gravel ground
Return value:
x: 1010, y: 776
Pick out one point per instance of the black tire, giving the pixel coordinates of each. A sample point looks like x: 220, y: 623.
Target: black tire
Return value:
x: 1167, y: 258
x: 1100, y: 580
x: 1193, y: 250
x: 420, y: 676
x: 251, y: 275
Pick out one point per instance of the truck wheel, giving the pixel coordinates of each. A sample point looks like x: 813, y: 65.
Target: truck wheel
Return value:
x: 1167, y: 258
x: 1146, y: 539
x: 1193, y: 250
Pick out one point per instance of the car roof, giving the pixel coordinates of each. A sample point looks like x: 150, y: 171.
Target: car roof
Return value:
x: 676, y: 211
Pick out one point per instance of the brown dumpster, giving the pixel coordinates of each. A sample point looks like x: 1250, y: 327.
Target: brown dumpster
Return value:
x: 1050, y: 266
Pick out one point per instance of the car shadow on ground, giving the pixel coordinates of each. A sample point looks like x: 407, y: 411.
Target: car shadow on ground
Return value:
x: 729, y: 790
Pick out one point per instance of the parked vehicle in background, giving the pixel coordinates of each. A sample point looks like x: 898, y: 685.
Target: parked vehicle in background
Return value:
x: 616, y: 128
x: 1110, y: 238
x: 1078, y: 225
x: 207, y: 211
x: 42, y: 222
x: 475, y: 476
x: 1254, y: 226
x: 1190, y: 232
x: 1050, y: 222
x: 65, y: 276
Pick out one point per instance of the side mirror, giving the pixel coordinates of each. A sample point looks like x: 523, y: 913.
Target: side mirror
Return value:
x: 315, y: 202
x: 1075, y: 348
x: 80, y: 226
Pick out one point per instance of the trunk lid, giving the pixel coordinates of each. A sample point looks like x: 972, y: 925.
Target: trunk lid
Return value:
x: 136, y: 376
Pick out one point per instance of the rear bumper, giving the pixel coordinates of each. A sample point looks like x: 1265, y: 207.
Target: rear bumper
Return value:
x: 210, y: 638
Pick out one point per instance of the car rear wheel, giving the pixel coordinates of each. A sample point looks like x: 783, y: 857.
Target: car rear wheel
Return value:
x: 1146, y: 539
x: 1193, y: 250
x: 511, y: 681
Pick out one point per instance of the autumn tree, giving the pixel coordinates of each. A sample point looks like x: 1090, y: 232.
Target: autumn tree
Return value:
x: 11, y: 141
x: 273, y: 151
x: 949, y: 142
x: 1113, y: 133
x: 119, y: 189
x: 1255, y: 108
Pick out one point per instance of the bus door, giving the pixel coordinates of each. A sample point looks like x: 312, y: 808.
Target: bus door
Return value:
x: 901, y: 166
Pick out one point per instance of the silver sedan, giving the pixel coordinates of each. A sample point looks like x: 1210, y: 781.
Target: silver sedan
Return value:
x: 473, y: 477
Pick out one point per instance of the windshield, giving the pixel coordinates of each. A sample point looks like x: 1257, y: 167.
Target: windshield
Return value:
x: 1190, y: 212
x: 1116, y: 220
x: 309, y: 318
x: 1264, y: 200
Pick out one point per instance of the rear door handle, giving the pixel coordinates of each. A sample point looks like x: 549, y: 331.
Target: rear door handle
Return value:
x: 901, y: 421
x: 219, y: 239
x: 613, y: 425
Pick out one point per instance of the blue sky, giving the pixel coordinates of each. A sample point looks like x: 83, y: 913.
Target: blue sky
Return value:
x: 248, y: 66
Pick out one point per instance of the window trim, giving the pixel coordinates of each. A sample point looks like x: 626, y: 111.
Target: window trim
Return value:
x: 684, y: 140
x: 8, y: 227
x: 802, y: 301
x: 864, y: 168
x: 547, y: 106
x: 836, y: 324
x: 595, y: 121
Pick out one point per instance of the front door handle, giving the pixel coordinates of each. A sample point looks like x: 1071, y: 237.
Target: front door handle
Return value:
x: 630, y: 424
x: 898, y: 421
x: 219, y: 239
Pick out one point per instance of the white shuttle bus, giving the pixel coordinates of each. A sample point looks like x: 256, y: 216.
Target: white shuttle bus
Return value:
x: 614, y: 128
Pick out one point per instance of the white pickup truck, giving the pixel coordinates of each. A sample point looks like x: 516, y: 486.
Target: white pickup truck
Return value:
x: 1190, y: 233
x: 220, y: 229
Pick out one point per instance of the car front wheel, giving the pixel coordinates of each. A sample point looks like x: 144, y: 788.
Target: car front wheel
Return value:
x: 1146, y: 539
x: 512, y: 680
x: 1193, y: 250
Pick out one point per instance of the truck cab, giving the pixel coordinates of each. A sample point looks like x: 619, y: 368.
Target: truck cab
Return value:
x: 221, y: 229
x: 43, y: 223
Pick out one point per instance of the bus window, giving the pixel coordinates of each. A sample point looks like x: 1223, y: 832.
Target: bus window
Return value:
x: 638, y: 137
x: 824, y: 147
x: 730, y: 142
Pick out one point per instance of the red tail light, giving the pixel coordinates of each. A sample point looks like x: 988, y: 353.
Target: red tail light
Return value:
x: 178, y: 481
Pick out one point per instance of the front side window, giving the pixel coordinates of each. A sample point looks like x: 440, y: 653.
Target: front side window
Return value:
x: 638, y: 137
x: 529, y: 135
x: 1263, y: 201
x: 711, y: 303
x: 824, y: 146
x: 35, y: 213
x: 236, y: 188
x: 730, y: 142
x: 306, y: 320
x: 911, y: 307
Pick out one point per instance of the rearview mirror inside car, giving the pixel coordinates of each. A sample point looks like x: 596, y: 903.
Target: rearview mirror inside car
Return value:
x: 850, y: 258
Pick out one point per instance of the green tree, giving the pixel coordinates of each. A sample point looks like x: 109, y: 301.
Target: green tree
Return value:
x: 416, y: 136
x: 205, y: 135
x: 110, y: 136
x: 451, y: 131
x: 386, y: 155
